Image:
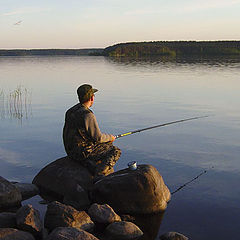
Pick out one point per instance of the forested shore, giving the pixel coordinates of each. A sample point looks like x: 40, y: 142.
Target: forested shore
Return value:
x: 141, y: 49
x: 49, y: 52
x: 174, y: 49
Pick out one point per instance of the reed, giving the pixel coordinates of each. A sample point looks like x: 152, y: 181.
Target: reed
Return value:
x: 2, y: 100
x: 16, y: 104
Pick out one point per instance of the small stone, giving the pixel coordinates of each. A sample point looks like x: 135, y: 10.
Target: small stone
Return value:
x: 14, y: 234
x: 69, y: 233
x: 128, y: 218
x: 28, y: 219
x: 173, y: 236
x: 27, y: 190
x: 9, y: 194
x: 61, y: 215
x: 8, y: 220
x: 123, y: 230
x: 103, y: 214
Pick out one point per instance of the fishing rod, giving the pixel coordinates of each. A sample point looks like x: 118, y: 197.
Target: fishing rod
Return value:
x: 156, y: 126
x: 192, y: 180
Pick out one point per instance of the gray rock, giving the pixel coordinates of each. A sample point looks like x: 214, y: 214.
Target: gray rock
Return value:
x: 69, y: 233
x: 60, y: 215
x: 65, y: 179
x: 123, y: 230
x: 173, y: 236
x: 103, y: 214
x: 28, y: 219
x: 8, y: 220
x: 9, y: 194
x: 78, y: 199
x: 14, y: 234
x: 140, y: 191
x: 44, y: 233
x: 27, y: 190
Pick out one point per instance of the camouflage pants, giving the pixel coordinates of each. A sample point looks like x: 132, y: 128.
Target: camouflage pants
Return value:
x: 101, y: 159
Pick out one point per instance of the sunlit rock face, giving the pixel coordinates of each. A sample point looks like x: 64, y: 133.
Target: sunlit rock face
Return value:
x: 28, y: 219
x: 61, y: 215
x: 140, y: 191
x: 103, y: 214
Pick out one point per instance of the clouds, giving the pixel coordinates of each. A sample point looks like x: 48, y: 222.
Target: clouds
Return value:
x: 9, y: 156
x: 26, y: 10
x: 181, y: 7
x: 100, y: 22
x: 209, y: 5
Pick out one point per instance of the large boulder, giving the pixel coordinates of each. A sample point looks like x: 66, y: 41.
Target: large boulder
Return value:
x: 139, y: 191
x: 9, y: 194
x: 28, y: 219
x: 123, y: 230
x: 65, y: 180
x: 14, y: 234
x: 60, y: 215
x: 69, y: 233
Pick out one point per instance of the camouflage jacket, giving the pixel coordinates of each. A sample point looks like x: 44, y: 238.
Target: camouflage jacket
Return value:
x: 81, y: 132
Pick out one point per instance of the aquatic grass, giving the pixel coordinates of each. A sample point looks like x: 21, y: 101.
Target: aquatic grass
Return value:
x: 16, y: 104
x: 2, y: 99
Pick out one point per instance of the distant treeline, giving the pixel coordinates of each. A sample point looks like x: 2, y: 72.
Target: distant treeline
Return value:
x: 174, y: 49
x: 142, y: 49
x: 49, y: 52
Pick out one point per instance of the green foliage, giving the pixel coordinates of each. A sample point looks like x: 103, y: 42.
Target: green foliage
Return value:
x: 51, y: 52
x: 174, y: 49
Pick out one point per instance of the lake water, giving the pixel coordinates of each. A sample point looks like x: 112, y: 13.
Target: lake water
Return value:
x: 135, y: 94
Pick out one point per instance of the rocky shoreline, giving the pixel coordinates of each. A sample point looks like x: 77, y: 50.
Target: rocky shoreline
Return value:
x: 80, y: 208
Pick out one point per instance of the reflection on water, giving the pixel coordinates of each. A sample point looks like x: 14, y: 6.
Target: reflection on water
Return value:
x: 133, y: 94
x: 150, y: 225
x: 212, y: 61
x: 15, y: 104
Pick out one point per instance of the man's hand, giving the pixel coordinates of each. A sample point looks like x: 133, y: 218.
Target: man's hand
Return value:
x: 113, y: 138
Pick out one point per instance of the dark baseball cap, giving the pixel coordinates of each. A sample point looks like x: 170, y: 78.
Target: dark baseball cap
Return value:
x: 85, y: 92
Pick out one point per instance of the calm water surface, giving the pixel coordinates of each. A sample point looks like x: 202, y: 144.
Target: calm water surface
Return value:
x: 135, y: 94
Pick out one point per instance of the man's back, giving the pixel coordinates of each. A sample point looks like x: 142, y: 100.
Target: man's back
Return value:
x: 74, y: 131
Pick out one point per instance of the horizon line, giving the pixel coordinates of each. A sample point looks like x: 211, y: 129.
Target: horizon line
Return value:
x: 86, y: 48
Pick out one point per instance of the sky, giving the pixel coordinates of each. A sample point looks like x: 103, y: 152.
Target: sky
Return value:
x: 101, y: 23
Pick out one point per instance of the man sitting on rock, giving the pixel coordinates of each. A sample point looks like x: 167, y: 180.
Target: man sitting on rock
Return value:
x: 83, y: 140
